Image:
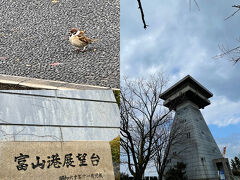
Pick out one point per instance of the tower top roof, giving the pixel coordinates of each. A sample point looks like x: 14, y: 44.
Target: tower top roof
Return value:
x: 186, y: 89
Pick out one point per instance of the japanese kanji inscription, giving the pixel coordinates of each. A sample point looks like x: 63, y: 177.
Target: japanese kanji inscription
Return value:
x: 56, y: 160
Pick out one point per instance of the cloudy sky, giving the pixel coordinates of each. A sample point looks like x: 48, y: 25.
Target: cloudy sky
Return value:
x: 179, y: 42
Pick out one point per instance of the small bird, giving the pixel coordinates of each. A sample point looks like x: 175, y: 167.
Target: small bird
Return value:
x: 78, y: 39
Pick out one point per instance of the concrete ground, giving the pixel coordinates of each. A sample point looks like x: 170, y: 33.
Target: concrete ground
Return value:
x: 34, y: 40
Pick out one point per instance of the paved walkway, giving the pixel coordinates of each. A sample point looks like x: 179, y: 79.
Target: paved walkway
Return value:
x: 34, y: 40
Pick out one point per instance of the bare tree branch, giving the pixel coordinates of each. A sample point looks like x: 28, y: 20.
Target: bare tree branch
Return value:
x: 235, y: 6
x: 142, y: 14
x: 169, y: 138
x: 142, y: 119
x: 195, y: 2
x: 232, y: 54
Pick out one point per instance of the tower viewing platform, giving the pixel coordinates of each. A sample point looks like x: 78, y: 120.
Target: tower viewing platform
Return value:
x: 186, y: 89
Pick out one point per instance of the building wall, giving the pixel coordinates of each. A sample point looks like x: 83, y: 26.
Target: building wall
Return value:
x: 197, y: 147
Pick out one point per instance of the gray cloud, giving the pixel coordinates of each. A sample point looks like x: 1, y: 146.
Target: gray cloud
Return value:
x: 180, y: 42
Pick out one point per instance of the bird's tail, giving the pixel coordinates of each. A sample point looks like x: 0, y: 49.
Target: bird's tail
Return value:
x: 94, y: 40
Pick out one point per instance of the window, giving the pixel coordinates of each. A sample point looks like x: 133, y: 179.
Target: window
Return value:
x: 188, y: 135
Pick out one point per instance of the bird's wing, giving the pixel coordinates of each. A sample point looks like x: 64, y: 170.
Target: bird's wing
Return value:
x: 85, y: 39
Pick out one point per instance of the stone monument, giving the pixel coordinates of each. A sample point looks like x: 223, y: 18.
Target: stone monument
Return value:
x: 60, y: 135
x: 197, y: 147
x: 56, y: 160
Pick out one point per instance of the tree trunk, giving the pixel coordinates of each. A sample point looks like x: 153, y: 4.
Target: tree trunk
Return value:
x: 139, y: 174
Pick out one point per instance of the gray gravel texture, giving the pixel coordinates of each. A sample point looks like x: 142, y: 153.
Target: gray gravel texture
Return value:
x: 34, y: 34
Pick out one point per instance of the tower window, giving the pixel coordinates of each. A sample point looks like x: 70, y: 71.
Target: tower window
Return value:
x: 188, y: 135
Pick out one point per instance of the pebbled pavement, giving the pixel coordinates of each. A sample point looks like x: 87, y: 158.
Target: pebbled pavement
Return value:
x: 34, y: 40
